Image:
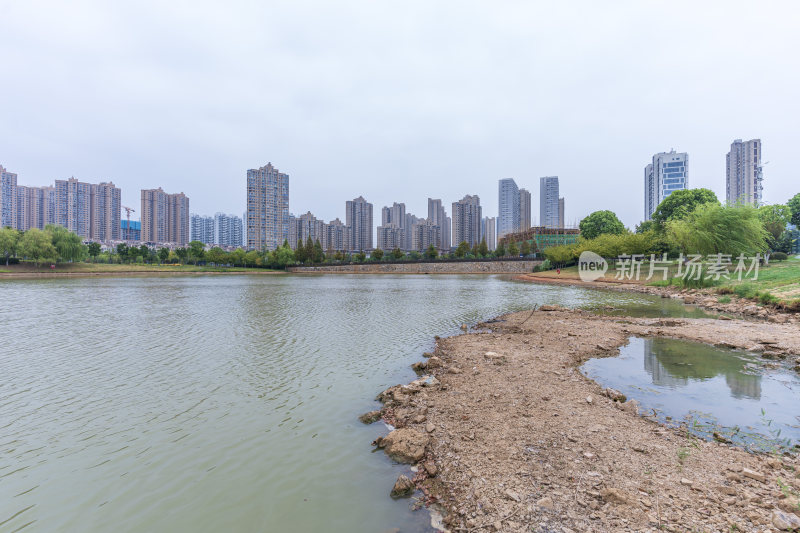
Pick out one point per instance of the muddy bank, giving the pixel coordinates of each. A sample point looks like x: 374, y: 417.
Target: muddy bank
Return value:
x: 507, y: 435
x: 705, y: 298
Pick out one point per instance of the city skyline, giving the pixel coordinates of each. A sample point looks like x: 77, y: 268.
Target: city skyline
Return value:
x: 591, y: 124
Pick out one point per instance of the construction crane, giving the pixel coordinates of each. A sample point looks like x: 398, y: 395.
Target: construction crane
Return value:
x: 129, y: 210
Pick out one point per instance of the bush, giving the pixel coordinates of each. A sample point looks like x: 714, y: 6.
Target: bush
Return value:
x: 778, y: 256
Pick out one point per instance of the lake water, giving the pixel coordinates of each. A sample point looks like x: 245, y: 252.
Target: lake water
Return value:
x: 224, y: 403
x: 710, y: 389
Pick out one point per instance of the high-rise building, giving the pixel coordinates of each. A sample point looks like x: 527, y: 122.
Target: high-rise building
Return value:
x: 467, y: 220
x: 267, y: 208
x: 134, y: 233
x: 424, y: 234
x: 74, y: 206
x: 394, y: 215
x: 489, y: 232
x: 524, y: 210
x: 165, y: 217
x: 106, y: 212
x: 359, y: 219
x: 391, y: 236
x: 560, y: 212
x: 508, y: 218
x: 228, y: 230
x: 337, y: 236
x: 744, y: 173
x: 8, y: 198
x: 667, y: 173
x: 35, y: 207
x: 202, y: 229
x: 437, y: 216
x: 548, y: 202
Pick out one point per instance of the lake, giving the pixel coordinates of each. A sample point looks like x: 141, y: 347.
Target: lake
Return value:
x: 224, y: 403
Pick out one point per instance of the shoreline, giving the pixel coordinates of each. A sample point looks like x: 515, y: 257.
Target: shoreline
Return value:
x: 126, y: 273
x: 507, y: 435
x: 706, y: 299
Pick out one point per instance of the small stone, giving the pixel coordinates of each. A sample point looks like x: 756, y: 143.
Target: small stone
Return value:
x: 615, y: 395
x: 370, y: 417
x: 686, y: 482
x: 511, y: 495
x: 752, y: 474
x: 589, y: 400
x: 434, y: 362
x: 402, y: 487
x: 546, y: 503
x: 613, y: 495
x: 429, y: 427
x: 430, y: 468
x: 785, y: 521
x: 588, y: 455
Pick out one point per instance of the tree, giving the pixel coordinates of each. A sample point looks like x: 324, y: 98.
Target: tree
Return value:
x: 500, y: 251
x: 309, y: 249
x: 645, y: 226
x: 525, y: 248
x: 9, y: 241
x: 713, y: 228
x: 377, y: 254
x: 794, y: 207
x: 163, y: 255
x: 37, y: 246
x: 483, y: 249
x: 360, y: 257
x: 397, y: 254
x: 599, y: 223
x: 300, y: 252
x: 197, y: 250
x: 216, y: 255
x: 252, y: 257
x: 237, y: 257
x: 145, y: 252
x: 431, y: 253
x: 69, y: 246
x: 94, y: 250
x: 183, y: 254
x: 122, y: 251
x: 679, y: 204
x: 319, y: 254
x: 775, y: 218
x: 513, y: 249
x: 462, y: 250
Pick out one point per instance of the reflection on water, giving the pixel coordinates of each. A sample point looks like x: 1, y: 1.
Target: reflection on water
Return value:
x: 717, y: 387
x: 223, y: 403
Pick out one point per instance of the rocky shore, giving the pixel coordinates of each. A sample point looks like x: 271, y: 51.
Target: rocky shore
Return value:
x: 505, y: 434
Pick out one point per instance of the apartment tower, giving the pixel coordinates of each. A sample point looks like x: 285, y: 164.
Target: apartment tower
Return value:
x: 548, y: 202
x: 358, y: 217
x: 8, y: 198
x: 467, y: 220
x: 524, y: 210
x: 165, y: 217
x: 667, y: 173
x: 743, y: 172
x: 508, y: 218
x: 267, y: 208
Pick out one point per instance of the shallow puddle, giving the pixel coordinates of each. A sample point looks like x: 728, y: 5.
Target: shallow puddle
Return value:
x: 709, y: 389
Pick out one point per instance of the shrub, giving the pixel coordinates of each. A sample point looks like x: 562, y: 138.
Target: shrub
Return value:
x: 778, y: 256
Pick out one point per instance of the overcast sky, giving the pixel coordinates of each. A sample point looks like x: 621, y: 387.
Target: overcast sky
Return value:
x: 396, y: 101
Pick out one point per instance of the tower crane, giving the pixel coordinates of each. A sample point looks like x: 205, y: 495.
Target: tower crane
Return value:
x: 129, y: 210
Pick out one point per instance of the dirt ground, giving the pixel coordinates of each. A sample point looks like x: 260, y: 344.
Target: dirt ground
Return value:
x: 509, y: 436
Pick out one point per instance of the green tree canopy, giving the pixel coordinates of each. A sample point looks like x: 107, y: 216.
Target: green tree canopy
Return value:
x: 183, y: 254
x: 463, y: 249
x: 794, y: 207
x: 525, y: 248
x: 679, y: 204
x: 775, y: 218
x: 500, y: 251
x: 68, y: 245
x: 431, y: 252
x: 93, y: 249
x: 163, y: 255
x: 9, y: 241
x: 37, y: 246
x: 397, y: 254
x: 645, y: 226
x: 713, y: 228
x: 319, y: 253
x: 513, y: 249
x: 483, y: 249
x: 600, y: 223
x: 197, y: 251
x: 216, y: 255
x: 377, y: 254
x: 300, y: 254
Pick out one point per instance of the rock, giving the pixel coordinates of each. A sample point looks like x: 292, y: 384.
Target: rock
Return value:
x: 550, y: 308
x: 589, y: 400
x: 614, y: 495
x: 453, y: 370
x: 434, y: 362
x: 752, y: 474
x: 615, y: 395
x: 495, y: 358
x: 785, y: 521
x: 419, y: 366
x: 430, y: 468
x: 686, y: 482
x: 464, y: 327
x: 370, y: 417
x: 402, y: 487
x: 546, y: 503
x: 429, y: 427
x: 419, y: 419
x: 511, y: 495
x: 790, y: 505
x: 427, y: 354
x: 405, y: 445
x: 425, y: 381
x: 603, y: 347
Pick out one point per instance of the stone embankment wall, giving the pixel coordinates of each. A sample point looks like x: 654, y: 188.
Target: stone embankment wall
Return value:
x: 470, y: 267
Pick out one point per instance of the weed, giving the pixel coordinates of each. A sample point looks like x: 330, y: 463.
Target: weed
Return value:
x: 724, y: 299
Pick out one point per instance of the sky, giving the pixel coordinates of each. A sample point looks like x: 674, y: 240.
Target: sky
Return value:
x: 396, y: 101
